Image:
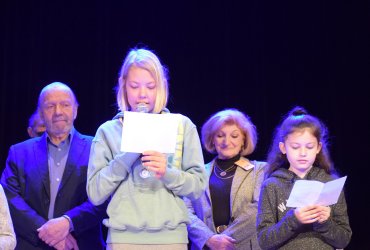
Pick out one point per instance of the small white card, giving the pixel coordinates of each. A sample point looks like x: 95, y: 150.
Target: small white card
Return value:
x: 146, y: 131
x: 306, y: 192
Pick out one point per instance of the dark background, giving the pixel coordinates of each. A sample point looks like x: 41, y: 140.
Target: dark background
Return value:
x: 262, y: 57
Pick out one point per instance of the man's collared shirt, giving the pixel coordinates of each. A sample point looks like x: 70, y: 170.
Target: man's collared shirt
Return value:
x: 57, y: 158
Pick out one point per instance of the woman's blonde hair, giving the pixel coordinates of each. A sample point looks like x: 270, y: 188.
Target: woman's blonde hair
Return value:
x: 230, y: 117
x: 144, y: 59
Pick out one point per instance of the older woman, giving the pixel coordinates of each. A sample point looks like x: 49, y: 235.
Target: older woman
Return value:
x: 225, y: 216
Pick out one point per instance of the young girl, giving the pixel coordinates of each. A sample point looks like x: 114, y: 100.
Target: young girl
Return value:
x: 298, y: 152
x: 145, y: 211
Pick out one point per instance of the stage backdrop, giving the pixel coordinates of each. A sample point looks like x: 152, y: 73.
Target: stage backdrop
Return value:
x: 262, y: 57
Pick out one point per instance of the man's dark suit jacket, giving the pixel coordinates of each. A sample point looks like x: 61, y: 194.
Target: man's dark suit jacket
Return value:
x: 26, y: 183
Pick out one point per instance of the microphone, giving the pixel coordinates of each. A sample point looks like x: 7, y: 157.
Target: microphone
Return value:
x: 144, y: 173
x: 142, y: 108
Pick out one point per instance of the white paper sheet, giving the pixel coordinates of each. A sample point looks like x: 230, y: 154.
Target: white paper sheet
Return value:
x: 307, y: 192
x: 145, y: 131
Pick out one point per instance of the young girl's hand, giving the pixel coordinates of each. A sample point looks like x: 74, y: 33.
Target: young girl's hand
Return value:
x: 324, y: 213
x: 155, y: 162
x: 308, y: 214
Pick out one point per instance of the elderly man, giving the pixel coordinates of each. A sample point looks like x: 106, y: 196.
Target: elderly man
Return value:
x: 45, y: 181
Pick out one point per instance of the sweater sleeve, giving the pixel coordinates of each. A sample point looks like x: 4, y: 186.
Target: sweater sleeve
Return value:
x: 272, y: 233
x: 198, y: 231
x: 190, y: 179
x: 105, y: 171
x: 336, y: 230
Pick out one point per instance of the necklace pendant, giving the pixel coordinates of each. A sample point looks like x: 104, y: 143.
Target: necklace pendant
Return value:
x: 223, y: 173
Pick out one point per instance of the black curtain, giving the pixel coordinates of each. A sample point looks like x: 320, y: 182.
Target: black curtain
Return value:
x: 262, y: 57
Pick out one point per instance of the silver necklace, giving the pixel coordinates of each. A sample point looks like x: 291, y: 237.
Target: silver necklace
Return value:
x: 223, y: 173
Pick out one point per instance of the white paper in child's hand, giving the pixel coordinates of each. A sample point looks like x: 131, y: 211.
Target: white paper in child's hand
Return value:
x: 146, y: 131
x: 306, y: 192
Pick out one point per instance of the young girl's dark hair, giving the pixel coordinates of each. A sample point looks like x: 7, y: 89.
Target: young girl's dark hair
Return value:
x: 298, y: 120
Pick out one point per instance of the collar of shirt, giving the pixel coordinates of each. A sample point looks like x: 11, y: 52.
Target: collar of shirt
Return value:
x: 67, y: 141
